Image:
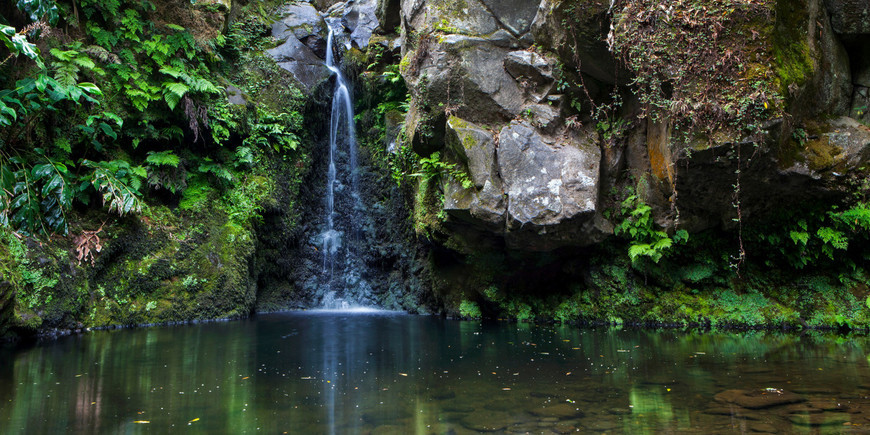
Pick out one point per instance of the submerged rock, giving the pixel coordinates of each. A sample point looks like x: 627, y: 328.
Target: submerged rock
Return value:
x: 764, y: 428
x: 560, y: 411
x: 732, y: 411
x: 487, y: 421
x: 822, y: 419
x: 759, y: 399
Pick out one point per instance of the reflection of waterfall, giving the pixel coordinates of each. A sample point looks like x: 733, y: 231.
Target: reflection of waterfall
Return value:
x: 341, y: 267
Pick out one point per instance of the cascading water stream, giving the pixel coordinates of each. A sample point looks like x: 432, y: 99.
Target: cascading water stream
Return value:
x: 341, y: 133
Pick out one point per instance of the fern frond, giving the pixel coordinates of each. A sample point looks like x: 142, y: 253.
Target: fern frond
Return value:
x: 173, y: 92
x: 163, y: 158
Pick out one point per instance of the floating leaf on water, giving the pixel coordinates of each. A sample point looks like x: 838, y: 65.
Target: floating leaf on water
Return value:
x: 194, y: 420
x: 141, y: 422
x: 403, y: 374
x: 246, y: 377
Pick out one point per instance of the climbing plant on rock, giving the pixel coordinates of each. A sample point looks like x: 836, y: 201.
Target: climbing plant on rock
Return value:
x: 703, y: 64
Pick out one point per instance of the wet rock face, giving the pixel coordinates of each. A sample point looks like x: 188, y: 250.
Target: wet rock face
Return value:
x: 389, y: 14
x: 533, y: 71
x: 484, y: 94
x: 488, y: 99
x: 303, y: 31
x: 359, y: 17
x: 590, y: 22
x: 546, y: 183
x: 465, y: 17
x: 537, y: 191
x: 814, y: 170
x: 485, y: 201
x: 849, y: 17
x: 7, y: 297
x: 466, y: 74
x: 515, y: 15
x: 471, y: 17
x: 301, y: 21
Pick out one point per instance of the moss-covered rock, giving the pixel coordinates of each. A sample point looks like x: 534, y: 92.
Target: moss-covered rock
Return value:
x: 7, y: 304
x: 164, y: 266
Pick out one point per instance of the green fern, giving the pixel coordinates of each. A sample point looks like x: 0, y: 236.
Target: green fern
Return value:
x: 645, y: 241
x: 208, y: 166
x: 173, y: 92
x: 857, y: 217
x: 163, y: 158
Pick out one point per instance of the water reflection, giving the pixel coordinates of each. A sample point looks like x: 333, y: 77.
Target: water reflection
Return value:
x: 328, y: 372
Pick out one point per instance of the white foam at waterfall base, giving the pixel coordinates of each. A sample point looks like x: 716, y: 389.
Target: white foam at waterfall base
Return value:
x: 331, y: 304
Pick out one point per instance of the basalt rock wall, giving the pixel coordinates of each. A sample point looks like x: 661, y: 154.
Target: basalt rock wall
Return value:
x: 493, y: 91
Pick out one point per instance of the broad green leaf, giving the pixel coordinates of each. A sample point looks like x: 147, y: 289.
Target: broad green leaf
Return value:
x: 41, y: 170
x: 108, y: 131
x: 113, y: 117
x: 90, y: 88
x: 55, y: 182
x: 21, y: 45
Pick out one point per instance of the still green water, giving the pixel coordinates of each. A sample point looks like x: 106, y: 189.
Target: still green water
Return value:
x: 334, y: 372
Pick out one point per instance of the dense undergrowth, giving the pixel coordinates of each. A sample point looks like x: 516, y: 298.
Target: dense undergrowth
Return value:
x: 795, y: 275
x: 140, y: 106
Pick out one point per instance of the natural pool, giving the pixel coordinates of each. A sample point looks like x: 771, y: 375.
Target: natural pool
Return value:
x: 338, y: 372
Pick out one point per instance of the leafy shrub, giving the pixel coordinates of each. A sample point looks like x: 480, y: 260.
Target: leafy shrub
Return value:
x: 469, y: 309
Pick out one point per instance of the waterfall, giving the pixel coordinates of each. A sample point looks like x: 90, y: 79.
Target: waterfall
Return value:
x: 340, y: 267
